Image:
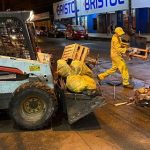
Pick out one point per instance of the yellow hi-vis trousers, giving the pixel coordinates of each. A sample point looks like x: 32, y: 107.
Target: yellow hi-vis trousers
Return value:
x: 117, y: 63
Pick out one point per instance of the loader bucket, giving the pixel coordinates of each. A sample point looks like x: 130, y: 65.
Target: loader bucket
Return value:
x: 80, y: 105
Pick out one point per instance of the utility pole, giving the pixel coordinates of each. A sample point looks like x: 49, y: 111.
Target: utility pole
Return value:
x: 130, y: 16
x: 106, y: 23
x: 76, y: 11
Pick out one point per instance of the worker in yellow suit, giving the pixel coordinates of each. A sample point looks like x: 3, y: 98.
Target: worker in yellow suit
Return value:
x: 117, y: 50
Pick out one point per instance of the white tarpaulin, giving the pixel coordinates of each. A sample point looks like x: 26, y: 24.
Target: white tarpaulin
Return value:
x: 66, y: 8
x: 140, y: 3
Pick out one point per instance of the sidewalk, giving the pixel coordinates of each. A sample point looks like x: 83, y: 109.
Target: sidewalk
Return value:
x: 105, y: 36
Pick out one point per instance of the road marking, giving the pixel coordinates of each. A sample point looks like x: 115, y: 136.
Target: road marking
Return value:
x: 87, y: 43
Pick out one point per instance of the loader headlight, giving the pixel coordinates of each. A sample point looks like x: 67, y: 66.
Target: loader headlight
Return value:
x: 13, y: 37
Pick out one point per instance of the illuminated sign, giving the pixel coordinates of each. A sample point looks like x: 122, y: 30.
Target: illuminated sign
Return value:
x: 94, y: 4
x: 66, y: 8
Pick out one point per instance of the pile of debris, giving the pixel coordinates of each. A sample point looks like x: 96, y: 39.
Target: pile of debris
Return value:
x: 142, y: 96
x: 78, y: 77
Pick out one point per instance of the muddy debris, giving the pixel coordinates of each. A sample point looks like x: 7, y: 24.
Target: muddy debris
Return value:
x: 141, y: 98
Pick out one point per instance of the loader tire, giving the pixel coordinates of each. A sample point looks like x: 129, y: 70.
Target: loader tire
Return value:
x: 32, y: 106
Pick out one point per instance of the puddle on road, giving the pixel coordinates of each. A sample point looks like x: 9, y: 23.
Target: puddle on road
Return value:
x: 140, y: 83
x: 116, y: 76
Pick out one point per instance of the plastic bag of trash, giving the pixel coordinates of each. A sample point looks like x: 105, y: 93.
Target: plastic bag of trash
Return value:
x: 87, y: 71
x: 78, y: 83
x: 63, y: 69
x: 80, y: 68
x: 91, y: 84
x: 76, y: 67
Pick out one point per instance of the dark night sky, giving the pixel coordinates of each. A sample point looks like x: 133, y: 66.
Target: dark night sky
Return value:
x: 37, y: 5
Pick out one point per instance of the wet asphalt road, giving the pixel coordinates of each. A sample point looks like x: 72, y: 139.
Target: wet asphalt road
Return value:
x: 55, y: 46
x: 111, y: 128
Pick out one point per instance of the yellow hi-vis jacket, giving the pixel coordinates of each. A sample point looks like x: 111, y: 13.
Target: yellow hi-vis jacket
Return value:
x: 117, y: 48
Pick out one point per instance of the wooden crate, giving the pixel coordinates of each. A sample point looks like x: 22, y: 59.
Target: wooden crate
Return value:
x: 141, y: 53
x: 75, y: 52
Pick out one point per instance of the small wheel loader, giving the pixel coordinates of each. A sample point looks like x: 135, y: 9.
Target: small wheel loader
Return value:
x: 27, y: 87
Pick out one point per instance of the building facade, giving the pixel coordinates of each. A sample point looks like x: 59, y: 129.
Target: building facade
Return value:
x: 103, y: 15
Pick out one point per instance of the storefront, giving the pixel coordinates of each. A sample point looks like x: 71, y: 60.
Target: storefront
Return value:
x: 96, y: 15
x: 141, y: 15
x: 143, y: 20
x: 100, y: 15
x: 42, y: 21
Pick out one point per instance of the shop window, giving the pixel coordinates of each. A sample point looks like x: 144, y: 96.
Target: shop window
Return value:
x: 94, y: 24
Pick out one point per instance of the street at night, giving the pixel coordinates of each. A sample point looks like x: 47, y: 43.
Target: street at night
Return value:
x: 75, y: 75
x: 109, y: 127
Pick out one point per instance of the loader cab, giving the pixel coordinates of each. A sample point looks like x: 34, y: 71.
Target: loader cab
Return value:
x: 17, y: 35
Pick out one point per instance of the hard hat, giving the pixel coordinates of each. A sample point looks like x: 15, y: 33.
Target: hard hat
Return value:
x: 119, y: 31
